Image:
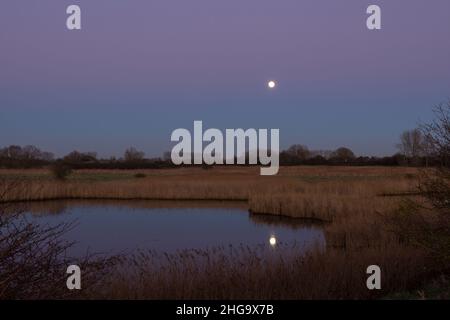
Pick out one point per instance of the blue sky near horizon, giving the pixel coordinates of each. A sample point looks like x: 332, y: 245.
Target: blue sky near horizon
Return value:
x: 140, y: 69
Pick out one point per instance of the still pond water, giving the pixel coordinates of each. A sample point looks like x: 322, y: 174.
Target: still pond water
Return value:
x: 111, y: 227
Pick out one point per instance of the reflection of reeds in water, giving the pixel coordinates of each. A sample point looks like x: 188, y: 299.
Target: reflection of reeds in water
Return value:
x: 60, y: 206
x: 42, y: 208
x: 292, y: 223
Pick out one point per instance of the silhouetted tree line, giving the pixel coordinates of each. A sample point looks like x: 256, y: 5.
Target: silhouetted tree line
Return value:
x: 414, y: 150
x: 32, y: 157
x: 421, y: 156
x: 132, y: 159
x: 24, y: 157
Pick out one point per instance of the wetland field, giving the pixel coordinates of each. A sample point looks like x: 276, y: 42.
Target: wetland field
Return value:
x: 229, y: 233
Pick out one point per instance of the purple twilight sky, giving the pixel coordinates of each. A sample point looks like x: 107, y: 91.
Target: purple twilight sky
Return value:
x: 139, y: 69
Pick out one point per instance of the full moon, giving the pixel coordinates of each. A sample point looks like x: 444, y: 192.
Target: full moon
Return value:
x: 271, y: 84
x: 273, y: 241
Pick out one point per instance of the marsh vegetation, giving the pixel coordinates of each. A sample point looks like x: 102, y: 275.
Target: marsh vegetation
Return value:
x: 353, y: 204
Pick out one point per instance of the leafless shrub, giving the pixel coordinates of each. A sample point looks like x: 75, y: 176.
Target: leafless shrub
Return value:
x: 33, y: 260
x: 426, y: 222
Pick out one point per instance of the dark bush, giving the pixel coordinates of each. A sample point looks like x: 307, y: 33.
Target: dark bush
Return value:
x: 61, y: 170
x: 140, y: 175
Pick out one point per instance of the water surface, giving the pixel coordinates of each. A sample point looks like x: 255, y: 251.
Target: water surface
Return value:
x: 112, y: 227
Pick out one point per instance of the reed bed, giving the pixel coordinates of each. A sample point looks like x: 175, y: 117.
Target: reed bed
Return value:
x: 217, y: 274
x: 323, y: 193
